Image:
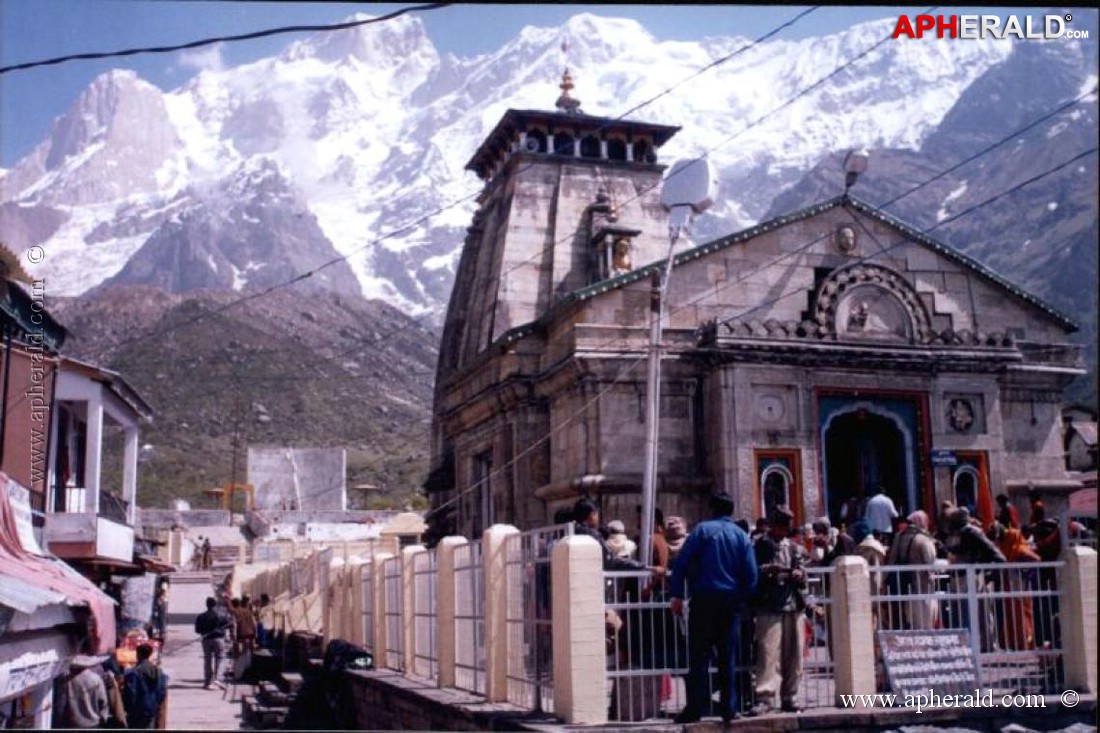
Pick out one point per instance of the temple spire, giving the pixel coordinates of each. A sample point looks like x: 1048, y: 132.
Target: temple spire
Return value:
x: 566, y: 103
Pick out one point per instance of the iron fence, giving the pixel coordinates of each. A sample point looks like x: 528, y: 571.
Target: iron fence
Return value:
x: 646, y: 648
x: 395, y: 636
x: 470, y: 662
x: 647, y: 657
x: 529, y: 668
x: 425, y: 577
x: 1011, y: 611
x: 818, y: 672
x: 367, y: 576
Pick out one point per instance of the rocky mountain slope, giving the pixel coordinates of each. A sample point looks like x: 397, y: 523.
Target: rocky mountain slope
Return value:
x: 339, y: 165
x: 291, y: 368
x: 1041, y: 235
x: 369, y: 129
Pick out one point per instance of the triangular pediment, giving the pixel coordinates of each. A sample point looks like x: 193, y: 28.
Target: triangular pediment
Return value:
x: 863, y: 268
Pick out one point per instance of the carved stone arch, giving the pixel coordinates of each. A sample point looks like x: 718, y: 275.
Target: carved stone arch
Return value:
x: 864, y: 301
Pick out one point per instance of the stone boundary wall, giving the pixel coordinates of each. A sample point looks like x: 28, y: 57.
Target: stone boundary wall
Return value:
x: 387, y: 700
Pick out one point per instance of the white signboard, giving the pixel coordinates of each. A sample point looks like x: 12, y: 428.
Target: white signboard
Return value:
x: 20, y: 500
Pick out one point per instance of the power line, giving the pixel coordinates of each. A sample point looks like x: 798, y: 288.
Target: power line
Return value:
x: 426, y: 217
x: 791, y: 100
x: 710, y: 292
x: 219, y: 39
x: 1007, y: 138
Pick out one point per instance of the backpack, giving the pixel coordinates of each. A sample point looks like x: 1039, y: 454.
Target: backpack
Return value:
x: 143, y: 696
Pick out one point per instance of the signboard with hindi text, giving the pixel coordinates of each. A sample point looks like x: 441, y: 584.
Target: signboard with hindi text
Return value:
x: 941, y: 660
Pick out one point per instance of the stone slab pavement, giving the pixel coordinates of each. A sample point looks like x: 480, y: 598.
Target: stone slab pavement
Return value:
x: 190, y: 707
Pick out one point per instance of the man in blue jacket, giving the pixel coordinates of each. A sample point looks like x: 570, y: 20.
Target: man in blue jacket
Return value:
x: 717, y: 565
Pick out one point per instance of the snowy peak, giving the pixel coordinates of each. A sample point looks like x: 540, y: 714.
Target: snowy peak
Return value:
x: 110, y: 143
x: 366, y: 130
x: 382, y: 45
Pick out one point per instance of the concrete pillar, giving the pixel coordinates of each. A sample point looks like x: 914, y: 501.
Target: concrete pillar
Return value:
x: 630, y: 151
x: 93, y: 452
x: 852, y: 628
x: 445, y: 608
x: 580, y: 675
x: 129, y: 474
x: 1077, y: 583
x: 408, y: 603
x: 378, y: 584
x: 496, y: 603
x: 603, y: 149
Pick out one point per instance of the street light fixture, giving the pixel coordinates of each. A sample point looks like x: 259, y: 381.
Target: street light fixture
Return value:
x: 688, y: 189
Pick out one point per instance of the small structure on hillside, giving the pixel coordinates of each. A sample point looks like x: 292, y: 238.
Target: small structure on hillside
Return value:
x: 298, y: 478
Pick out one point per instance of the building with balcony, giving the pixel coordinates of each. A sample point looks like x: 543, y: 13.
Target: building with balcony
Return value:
x: 48, y: 611
x: 96, y: 425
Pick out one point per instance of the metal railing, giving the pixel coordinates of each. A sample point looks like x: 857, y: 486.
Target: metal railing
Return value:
x: 470, y: 662
x: 1011, y: 611
x: 395, y: 636
x: 647, y: 658
x: 527, y: 616
x: 368, y: 571
x: 647, y: 655
x: 818, y: 673
x: 113, y: 507
x: 425, y: 653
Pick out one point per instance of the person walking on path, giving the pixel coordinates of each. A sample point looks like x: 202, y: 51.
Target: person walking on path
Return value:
x: 779, y: 602
x: 716, y: 564
x: 212, y: 626
x: 144, y: 690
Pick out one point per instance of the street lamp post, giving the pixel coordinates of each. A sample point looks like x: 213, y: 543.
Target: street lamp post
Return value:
x: 688, y: 189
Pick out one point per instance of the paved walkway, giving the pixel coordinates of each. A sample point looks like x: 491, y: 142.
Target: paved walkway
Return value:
x: 190, y: 707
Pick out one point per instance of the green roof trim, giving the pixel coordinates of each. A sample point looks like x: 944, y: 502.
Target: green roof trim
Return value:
x: 642, y: 273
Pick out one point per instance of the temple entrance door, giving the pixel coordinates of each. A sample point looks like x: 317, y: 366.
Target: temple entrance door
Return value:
x: 865, y: 450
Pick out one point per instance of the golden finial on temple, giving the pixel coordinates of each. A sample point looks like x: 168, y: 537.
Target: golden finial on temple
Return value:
x: 566, y: 103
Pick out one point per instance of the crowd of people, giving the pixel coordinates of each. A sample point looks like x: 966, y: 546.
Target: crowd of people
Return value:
x: 97, y: 693
x: 748, y: 585
x: 232, y: 628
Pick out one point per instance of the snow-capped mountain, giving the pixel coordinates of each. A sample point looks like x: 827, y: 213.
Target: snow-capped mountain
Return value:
x: 353, y: 143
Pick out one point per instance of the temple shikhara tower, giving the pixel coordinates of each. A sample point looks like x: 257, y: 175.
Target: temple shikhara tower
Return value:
x: 808, y: 360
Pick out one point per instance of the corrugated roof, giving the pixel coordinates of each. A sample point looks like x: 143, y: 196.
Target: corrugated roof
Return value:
x: 26, y: 598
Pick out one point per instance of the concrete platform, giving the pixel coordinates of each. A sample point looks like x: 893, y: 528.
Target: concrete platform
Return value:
x: 190, y: 707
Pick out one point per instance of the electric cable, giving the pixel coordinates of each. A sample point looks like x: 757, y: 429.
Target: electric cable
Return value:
x: 797, y: 291
x: 220, y: 39
x: 428, y: 216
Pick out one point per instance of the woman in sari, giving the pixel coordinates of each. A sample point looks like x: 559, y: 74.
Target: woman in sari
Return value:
x: 1017, y: 629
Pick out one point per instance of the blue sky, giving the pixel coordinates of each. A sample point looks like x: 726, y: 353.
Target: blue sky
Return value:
x: 37, y: 29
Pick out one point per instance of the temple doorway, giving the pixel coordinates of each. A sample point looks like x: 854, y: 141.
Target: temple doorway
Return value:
x: 867, y: 444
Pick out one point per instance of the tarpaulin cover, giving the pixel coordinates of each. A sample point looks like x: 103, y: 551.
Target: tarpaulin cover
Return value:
x: 50, y: 573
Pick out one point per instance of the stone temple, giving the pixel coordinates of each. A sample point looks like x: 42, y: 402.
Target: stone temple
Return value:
x: 807, y: 360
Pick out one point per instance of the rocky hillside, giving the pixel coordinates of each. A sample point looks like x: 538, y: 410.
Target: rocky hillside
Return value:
x: 290, y: 368
x: 1040, y: 234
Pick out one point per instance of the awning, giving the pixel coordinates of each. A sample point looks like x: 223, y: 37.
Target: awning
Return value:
x: 52, y: 574
x: 154, y: 564
x: 25, y: 597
